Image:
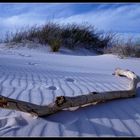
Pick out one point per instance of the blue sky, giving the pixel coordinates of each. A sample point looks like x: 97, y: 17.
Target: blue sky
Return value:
x: 123, y: 17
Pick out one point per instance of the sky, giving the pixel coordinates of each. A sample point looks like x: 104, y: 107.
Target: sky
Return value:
x: 114, y: 17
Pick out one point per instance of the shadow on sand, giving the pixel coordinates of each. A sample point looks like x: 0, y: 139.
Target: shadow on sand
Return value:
x: 104, y: 119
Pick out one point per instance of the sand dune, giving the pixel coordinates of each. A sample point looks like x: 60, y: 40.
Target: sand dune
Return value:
x: 37, y: 77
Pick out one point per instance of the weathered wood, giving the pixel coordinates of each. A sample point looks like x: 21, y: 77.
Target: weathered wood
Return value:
x: 63, y: 102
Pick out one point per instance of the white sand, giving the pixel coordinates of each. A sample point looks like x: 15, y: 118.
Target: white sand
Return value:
x: 38, y: 76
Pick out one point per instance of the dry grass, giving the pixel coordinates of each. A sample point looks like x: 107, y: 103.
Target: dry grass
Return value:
x: 128, y: 49
x: 55, y: 45
x: 70, y: 36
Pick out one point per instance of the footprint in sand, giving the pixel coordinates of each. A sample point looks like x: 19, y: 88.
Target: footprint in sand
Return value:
x: 31, y: 63
x: 69, y: 80
x: 10, y: 122
x: 23, y: 55
x: 52, y: 88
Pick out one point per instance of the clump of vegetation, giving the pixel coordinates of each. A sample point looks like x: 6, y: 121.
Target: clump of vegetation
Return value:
x: 55, y: 45
x: 73, y: 36
x: 70, y: 36
x: 127, y: 49
x: 86, y: 36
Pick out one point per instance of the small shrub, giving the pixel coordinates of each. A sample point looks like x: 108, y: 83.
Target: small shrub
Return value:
x: 79, y: 35
x: 70, y: 36
x: 55, y: 45
x: 128, y: 49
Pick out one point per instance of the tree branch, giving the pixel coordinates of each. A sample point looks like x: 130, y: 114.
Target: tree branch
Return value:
x: 62, y: 102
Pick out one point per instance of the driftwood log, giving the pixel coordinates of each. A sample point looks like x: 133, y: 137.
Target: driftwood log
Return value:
x: 63, y: 102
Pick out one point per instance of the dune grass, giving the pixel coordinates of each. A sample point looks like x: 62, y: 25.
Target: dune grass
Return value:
x: 70, y: 36
x: 124, y: 49
x: 73, y: 36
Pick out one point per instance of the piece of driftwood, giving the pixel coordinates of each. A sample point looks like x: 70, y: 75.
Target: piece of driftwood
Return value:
x: 63, y: 102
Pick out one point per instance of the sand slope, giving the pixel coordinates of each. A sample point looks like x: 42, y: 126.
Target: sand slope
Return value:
x: 39, y: 77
